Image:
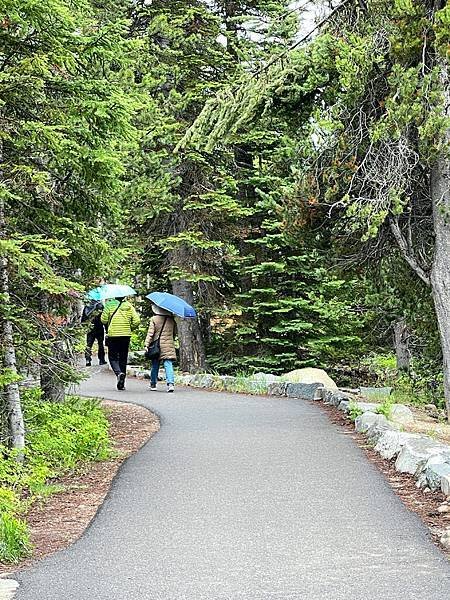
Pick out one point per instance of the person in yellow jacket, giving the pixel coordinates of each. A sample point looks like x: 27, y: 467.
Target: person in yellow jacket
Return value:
x: 119, y: 318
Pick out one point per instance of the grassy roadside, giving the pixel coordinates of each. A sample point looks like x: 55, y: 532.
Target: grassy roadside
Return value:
x: 61, y: 438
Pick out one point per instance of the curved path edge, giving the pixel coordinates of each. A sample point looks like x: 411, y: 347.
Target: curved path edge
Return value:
x: 243, y: 498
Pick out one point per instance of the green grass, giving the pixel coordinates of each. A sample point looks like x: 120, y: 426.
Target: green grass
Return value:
x: 354, y: 411
x: 14, y: 538
x: 385, y: 408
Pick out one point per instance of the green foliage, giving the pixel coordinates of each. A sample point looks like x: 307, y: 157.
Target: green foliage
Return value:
x: 244, y: 384
x: 66, y: 434
x: 66, y: 130
x: 288, y: 308
x: 354, y: 411
x: 422, y: 386
x: 442, y: 30
x: 9, y: 502
x: 61, y: 438
x: 385, y: 408
x: 14, y: 538
x: 382, y: 366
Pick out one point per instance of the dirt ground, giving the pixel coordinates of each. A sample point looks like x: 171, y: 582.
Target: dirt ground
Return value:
x: 424, y: 423
x: 62, y: 518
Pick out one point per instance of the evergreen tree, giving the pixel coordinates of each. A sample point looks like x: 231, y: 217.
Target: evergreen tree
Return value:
x: 187, y: 204
x: 374, y: 151
x: 66, y: 125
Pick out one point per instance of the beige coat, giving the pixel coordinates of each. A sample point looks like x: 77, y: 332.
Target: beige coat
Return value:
x: 167, y: 342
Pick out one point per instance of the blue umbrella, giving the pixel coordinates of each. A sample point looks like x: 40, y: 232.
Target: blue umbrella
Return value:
x: 173, y: 304
x: 111, y: 290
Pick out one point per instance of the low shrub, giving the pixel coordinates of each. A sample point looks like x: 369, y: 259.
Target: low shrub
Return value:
x: 60, y: 438
x: 61, y: 435
x: 385, y: 408
x: 354, y: 411
x: 14, y: 538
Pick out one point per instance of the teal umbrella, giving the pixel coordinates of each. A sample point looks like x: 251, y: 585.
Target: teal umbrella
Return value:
x: 111, y: 290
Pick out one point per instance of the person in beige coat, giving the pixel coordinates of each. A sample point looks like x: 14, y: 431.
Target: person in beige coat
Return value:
x: 162, y: 326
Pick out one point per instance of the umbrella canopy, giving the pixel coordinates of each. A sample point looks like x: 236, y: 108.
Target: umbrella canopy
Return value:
x: 173, y: 304
x: 111, y: 290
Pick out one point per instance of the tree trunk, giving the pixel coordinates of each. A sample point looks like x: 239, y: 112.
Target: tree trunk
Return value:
x: 401, y: 339
x: 440, y: 272
x: 52, y: 384
x: 192, y: 348
x: 13, y: 403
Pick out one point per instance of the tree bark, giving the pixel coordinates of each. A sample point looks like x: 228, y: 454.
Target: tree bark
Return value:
x: 192, y: 347
x: 440, y: 272
x: 401, y: 337
x: 16, y: 425
x: 52, y: 384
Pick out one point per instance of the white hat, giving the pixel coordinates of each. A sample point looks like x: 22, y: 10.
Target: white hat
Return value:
x: 160, y: 311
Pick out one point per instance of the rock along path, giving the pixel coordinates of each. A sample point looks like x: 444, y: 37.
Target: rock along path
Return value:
x: 243, y: 498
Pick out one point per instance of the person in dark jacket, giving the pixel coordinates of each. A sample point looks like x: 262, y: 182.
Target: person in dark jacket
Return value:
x: 92, y: 315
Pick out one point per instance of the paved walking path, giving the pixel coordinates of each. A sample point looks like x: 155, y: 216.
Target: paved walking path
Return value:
x: 243, y: 498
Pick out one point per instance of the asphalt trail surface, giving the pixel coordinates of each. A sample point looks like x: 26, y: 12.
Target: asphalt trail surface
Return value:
x: 243, y: 498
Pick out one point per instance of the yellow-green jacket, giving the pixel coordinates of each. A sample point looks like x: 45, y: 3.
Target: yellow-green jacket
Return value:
x: 123, y: 322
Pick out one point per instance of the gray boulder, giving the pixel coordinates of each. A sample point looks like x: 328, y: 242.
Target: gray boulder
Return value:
x: 305, y: 391
x: 432, y: 410
x: 310, y: 375
x: 445, y: 539
x: 206, y: 381
x: 335, y: 398
x: 277, y: 389
x: 8, y: 589
x: 328, y: 395
x: 196, y: 379
x: 372, y: 393
x: 445, y: 485
x: 266, y: 377
x: 392, y: 441
x: 138, y: 371
x: 183, y: 379
x: 434, y: 473
x: 415, y: 454
x: 365, y: 421
x: 401, y: 414
x: 344, y: 405
x: 367, y: 406
x: 378, y: 428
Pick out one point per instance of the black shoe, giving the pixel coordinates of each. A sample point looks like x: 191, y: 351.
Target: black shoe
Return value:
x: 121, y: 381
x: 102, y: 362
x: 88, y: 363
